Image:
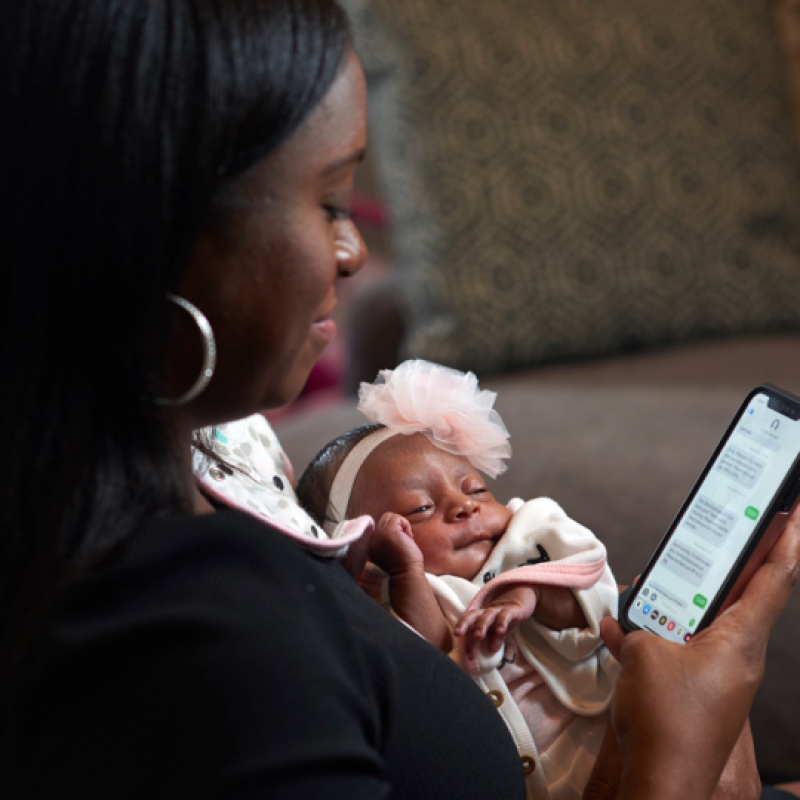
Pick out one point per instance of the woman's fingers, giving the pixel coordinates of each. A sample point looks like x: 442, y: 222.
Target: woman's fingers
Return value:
x: 755, y: 613
x: 612, y: 634
x: 765, y: 596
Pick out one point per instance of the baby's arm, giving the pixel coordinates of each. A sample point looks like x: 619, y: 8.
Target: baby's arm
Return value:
x: 559, y: 609
x: 394, y: 550
x: 554, y: 606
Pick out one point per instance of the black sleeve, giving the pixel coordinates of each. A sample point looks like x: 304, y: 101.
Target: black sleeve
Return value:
x: 201, y: 666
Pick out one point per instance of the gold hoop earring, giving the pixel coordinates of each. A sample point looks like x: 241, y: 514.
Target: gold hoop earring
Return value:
x: 209, y: 354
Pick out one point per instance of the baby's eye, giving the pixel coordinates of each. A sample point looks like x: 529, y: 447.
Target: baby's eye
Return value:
x: 479, y: 490
x: 420, y: 510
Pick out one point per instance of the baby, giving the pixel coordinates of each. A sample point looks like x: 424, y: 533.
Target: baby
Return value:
x: 513, y: 592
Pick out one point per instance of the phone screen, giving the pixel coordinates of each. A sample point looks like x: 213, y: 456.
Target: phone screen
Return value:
x: 718, y: 523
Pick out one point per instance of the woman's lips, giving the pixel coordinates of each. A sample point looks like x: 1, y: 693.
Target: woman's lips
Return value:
x: 325, y: 329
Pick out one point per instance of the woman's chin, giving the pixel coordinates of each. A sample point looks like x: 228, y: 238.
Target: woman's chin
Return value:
x: 294, y: 381
x: 283, y: 397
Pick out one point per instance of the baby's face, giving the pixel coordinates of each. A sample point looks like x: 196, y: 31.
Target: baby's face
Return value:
x: 454, y: 517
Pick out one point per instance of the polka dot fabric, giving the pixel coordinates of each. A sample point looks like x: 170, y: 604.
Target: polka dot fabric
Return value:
x: 254, y: 475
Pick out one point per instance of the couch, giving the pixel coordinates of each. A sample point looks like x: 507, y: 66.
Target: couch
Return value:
x: 614, y: 407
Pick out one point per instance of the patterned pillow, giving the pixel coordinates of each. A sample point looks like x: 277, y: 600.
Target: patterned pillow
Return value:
x: 569, y: 178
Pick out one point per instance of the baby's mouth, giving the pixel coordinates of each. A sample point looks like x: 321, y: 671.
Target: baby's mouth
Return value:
x: 478, y: 535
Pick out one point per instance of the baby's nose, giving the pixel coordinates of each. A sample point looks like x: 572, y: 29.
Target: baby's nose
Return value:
x: 464, y: 509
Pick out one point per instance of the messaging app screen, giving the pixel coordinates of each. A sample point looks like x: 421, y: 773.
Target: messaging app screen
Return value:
x: 738, y: 489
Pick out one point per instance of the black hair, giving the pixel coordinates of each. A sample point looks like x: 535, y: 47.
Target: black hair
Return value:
x: 123, y: 122
x: 314, y: 486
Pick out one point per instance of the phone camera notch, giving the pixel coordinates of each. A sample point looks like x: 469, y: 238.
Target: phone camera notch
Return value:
x: 789, y: 410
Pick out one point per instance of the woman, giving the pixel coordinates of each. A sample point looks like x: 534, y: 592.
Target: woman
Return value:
x: 171, y: 165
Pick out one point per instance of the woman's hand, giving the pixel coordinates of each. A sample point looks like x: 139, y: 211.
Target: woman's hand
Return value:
x: 739, y: 779
x: 679, y: 710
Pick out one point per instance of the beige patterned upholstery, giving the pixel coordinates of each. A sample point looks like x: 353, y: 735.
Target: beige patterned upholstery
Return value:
x: 571, y: 179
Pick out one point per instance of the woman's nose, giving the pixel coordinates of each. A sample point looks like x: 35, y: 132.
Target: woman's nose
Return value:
x: 351, y: 252
x: 462, y: 509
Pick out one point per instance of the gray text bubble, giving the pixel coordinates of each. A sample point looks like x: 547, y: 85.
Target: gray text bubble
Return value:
x: 740, y: 466
x: 687, y: 563
x: 668, y: 595
x: 710, y: 521
x: 764, y: 438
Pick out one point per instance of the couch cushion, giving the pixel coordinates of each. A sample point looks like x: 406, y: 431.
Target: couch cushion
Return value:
x: 570, y: 179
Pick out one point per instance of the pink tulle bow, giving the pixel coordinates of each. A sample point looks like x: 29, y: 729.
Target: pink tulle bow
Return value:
x: 444, y: 404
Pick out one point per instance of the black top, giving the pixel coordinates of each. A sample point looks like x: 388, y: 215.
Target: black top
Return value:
x: 214, y: 657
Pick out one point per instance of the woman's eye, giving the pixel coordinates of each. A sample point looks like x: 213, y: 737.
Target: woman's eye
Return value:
x: 336, y: 214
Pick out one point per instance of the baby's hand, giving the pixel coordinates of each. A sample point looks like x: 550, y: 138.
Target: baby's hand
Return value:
x: 392, y: 546
x: 500, y: 617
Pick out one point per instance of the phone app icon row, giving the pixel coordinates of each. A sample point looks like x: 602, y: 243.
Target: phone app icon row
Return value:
x: 663, y: 620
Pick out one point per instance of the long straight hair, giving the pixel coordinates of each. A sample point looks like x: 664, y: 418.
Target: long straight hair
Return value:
x: 122, y: 121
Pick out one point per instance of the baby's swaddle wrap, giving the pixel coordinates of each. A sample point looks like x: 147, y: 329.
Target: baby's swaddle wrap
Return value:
x: 574, y: 664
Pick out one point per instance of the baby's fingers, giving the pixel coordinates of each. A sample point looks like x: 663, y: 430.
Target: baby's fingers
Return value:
x: 507, y: 619
x: 404, y: 526
x: 394, y: 524
x: 486, y: 622
x: 484, y: 628
x: 473, y: 627
x: 467, y: 621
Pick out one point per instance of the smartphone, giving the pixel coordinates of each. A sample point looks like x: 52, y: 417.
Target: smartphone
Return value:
x: 728, y: 523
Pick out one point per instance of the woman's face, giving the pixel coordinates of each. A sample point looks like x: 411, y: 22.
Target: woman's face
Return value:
x: 266, y: 279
